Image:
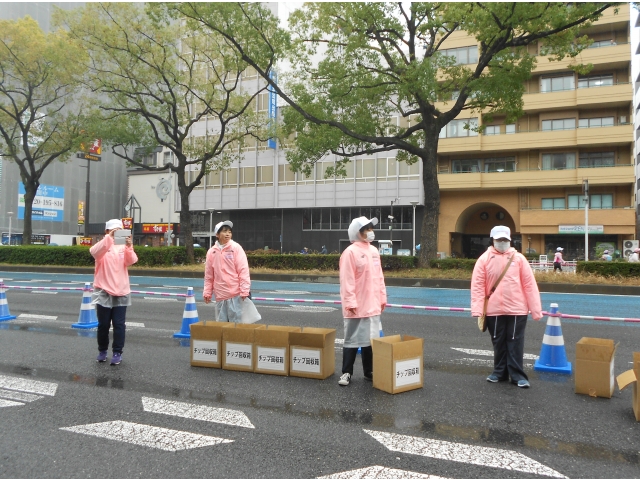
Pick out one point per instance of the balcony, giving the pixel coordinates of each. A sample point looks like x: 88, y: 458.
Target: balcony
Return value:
x: 616, y: 56
x: 617, y: 175
x: 609, y: 96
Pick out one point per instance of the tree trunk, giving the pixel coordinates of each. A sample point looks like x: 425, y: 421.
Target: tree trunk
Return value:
x: 185, y: 219
x: 429, y: 232
x: 30, y: 189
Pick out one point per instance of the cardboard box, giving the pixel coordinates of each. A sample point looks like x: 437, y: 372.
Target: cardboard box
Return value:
x: 237, y: 346
x: 206, y: 343
x: 594, y: 367
x: 271, y: 349
x: 312, y: 353
x: 632, y: 376
x: 397, y: 363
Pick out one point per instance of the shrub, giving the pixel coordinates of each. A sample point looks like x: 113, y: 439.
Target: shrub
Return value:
x: 610, y: 269
x: 465, y: 264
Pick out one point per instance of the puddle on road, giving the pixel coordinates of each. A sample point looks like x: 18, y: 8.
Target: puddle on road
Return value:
x: 368, y: 419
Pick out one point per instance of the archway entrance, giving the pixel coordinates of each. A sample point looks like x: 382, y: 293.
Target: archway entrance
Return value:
x: 471, y: 237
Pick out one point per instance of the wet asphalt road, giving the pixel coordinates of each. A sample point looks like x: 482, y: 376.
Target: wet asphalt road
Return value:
x: 303, y: 428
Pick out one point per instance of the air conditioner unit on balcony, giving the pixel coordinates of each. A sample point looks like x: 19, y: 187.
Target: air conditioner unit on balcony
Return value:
x: 629, y: 246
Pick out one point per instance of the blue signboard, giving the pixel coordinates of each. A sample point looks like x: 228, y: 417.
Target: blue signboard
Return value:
x: 273, y: 106
x: 48, y: 205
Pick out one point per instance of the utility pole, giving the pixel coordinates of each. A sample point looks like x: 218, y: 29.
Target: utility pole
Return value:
x: 585, y: 192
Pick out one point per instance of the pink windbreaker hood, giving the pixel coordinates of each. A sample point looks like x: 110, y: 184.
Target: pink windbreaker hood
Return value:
x: 517, y: 293
x: 361, y: 281
x: 112, y: 262
x: 226, y: 272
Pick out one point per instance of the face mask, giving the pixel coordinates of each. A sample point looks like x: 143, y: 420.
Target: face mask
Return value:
x: 370, y: 236
x: 501, y: 246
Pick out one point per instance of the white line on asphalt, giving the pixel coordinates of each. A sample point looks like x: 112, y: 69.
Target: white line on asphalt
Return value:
x: 160, y: 299
x: 172, y: 286
x: 135, y: 324
x: 44, y: 292
x: 484, y: 362
x: 147, y: 435
x: 489, y: 353
x: 376, y: 471
x: 459, y: 452
x: 196, y: 412
x: 9, y: 403
x: 20, y: 396
x: 37, y: 317
x: 286, y: 292
x: 339, y: 341
x: 31, y: 386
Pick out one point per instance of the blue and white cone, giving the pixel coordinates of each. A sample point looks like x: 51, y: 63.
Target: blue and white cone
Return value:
x: 4, y: 306
x: 189, y: 316
x: 553, y: 357
x: 87, y: 317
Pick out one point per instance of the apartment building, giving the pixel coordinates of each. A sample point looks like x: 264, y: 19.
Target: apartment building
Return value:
x: 529, y: 175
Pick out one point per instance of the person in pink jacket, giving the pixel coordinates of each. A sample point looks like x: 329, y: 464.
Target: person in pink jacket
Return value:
x: 363, y: 295
x: 509, y: 305
x: 226, y: 275
x: 111, y: 290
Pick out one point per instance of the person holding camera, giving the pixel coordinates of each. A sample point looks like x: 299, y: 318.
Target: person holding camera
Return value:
x: 111, y: 290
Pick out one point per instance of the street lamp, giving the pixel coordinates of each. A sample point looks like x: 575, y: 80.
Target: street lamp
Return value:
x: 10, y: 215
x: 211, y: 210
x: 413, y: 226
x: 391, y: 224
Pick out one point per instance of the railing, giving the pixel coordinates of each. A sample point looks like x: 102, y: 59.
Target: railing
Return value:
x: 568, y: 267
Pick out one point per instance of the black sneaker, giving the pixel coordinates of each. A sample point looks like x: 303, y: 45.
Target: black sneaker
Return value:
x: 369, y: 376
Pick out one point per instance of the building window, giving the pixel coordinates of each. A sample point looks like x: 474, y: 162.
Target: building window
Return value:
x: 387, y: 168
x: 595, y: 81
x: 575, y: 202
x: 492, y: 130
x: 168, y: 158
x: 559, y: 124
x: 602, y: 43
x: 597, y: 159
x: 409, y: 172
x: 286, y: 176
x: 604, y: 201
x: 557, y: 84
x: 265, y: 175
x: 510, y: 128
x: 553, y: 203
x: 466, y: 166
x: 463, y: 55
x: 595, y: 122
x: 247, y: 177
x: 456, y: 128
x: 506, y: 164
x: 558, y: 161
x: 230, y: 177
x: 213, y: 180
x: 365, y: 170
x: 262, y: 102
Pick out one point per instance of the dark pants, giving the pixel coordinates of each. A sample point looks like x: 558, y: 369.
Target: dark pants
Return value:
x: 557, y: 266
x: 507, y: 335
x: 349, y: 358
x: 105, y: 317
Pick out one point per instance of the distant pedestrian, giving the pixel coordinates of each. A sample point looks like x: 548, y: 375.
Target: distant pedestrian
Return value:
x: 226, y: 275
x: 324, y: 250
x: 606, y: 256
x: 111, y: 289
x: 503, y: 287
x: 635, y: 256
x: 304, y: 251
x: 557, y: 260
x: 364, y: 296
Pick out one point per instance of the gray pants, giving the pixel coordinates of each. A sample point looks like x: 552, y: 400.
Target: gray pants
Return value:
x: 507, y: 335
x: 229, y: 310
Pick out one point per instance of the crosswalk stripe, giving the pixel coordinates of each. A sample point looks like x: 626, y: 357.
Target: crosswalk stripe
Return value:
x: 135, y: 324
x: 9, y: 403
x: 147, y: 435
x: 196, y: 412
x: 377, y: 471
x: 459, y: 452
x: 31, y: 386
x: 20, y: 396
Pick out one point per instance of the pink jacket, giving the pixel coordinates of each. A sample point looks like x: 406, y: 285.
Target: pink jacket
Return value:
x: 226, y: 272
x: 517, y: 293
x: 111, y: 272
x: 361, y: 281
x: 557, y: 258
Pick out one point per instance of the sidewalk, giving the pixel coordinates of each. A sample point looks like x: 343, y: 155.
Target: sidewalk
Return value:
x: 390, y: 282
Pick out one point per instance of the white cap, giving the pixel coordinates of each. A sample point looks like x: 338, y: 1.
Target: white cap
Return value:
x: 222, y: 224
x: 113, y: 223
x: 500, y: 231
x: 559, y: 249
x: 357, y: 224
x: 606, y: 251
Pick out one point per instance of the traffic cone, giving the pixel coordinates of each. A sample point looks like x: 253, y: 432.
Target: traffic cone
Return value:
x: 553, y: 357
x: 189, y: 316
x: 87, y: 317
x: 4, y: 306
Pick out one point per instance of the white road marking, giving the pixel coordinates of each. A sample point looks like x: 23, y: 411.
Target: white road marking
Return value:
x: 135, y: 324
x: 311, y: 309
x: 286, y: 292
x: 30, y: 281
x: 483, y: 362
x: 31, y: 386
x: 147, y: 435
x: 376, y: 471
x: 9, y: 403
x: 459, y: 452
x: 44, y: 292
x: 37, y: 317
x: 172, y: 286
x: 19, y: 396
x: 339, y: 341
x: 489, y: 353
x: 196, y: 412
x: 160, y: 299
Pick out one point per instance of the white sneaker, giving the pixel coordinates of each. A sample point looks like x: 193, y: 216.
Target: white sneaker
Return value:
x: 344, y: 379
